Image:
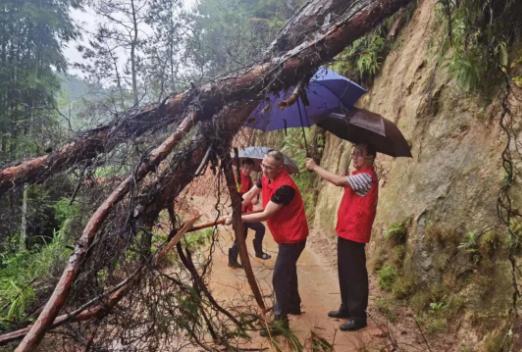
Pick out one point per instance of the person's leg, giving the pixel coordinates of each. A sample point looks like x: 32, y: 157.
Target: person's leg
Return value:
x: 357, y: 296
x: 233, y: 252
x: 259, y: 229
x: 343, y: 258
x: 284, y: 281
x: 281, y: 280
x: 357, y: 286
x: 294, y: 305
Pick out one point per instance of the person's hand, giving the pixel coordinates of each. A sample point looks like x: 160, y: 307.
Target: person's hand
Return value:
x: 310, y: 164
x: 228, y: 220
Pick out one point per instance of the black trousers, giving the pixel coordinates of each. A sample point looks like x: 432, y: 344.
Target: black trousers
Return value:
x: 259, y: 229
x: 284, y: 279
x: 353, y: 278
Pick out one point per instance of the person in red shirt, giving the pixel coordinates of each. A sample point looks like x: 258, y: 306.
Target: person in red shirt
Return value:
x: 245, y: 184
x: 283, y: 209
x: 354, y: 224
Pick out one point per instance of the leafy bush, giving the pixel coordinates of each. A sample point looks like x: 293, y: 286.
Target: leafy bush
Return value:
x: 22, y: 272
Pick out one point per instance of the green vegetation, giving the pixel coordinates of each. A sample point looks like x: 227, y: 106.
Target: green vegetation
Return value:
x: 195, y: 240
x: 319, y: 344
x: 481, y: 34
x: 464, y: 271
x: 364, y: 57
x: 21, y: 273
x: 293, y: 146
x: 397, y: 233
x: 387, y: 276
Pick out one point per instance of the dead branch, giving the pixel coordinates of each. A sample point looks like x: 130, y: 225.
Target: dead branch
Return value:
x: 238, y: 227
x: 61, y: 291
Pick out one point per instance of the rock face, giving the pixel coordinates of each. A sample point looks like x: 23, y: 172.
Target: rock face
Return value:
x: 449, y: 188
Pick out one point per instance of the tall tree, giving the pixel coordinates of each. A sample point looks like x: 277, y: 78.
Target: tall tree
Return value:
x: 230, y: 34
x: 32, y: 33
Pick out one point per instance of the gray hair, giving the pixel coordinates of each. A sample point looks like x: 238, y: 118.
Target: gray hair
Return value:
x: 277, y: 155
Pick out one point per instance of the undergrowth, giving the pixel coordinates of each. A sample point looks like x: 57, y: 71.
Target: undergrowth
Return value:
x: 481, y: 34
x: 23, y: 274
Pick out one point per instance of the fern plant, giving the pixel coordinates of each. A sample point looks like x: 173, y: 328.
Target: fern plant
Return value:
x: 480, y: 33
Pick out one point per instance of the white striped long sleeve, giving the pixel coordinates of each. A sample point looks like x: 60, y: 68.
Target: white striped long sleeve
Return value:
x: 360, y: 183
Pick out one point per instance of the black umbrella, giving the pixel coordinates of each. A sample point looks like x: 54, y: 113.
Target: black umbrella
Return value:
x: 363, y: 126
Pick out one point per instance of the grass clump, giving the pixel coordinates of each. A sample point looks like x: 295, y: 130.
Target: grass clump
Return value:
x: 387, y: 276
x: 397, y: 233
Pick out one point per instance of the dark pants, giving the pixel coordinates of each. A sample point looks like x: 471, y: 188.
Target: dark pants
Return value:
x: 259, y: 229
x: 285, y: 279
x: 353, y: 278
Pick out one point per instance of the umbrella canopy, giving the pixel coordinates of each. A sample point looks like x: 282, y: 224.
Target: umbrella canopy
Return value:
x: 258, y: 153
x: 327, y: 91
x: 363, y: 126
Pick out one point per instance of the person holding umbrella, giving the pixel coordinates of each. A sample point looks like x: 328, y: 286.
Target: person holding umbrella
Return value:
x: 283, y: 209
x: 355, y: 218
x: 245, y: 184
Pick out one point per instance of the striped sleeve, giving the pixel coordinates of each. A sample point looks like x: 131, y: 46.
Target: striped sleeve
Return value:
x: 360, y: 183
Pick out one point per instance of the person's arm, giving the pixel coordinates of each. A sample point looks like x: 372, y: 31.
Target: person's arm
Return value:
x: 337, y: 180
x: 251, y: 194
x: 270, y: 209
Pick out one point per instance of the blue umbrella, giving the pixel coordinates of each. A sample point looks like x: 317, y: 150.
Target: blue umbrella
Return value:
x: 327, y: 92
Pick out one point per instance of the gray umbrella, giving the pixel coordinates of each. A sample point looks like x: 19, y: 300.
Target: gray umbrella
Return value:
x: 257, y: 152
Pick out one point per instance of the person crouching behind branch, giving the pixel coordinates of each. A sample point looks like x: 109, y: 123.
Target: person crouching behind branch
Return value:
x: 355, y: 218
x: 283, y: 209
x: 245, y: 184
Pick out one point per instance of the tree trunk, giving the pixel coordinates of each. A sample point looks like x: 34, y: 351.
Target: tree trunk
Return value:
x: 363, y: 16
x: 314, y: 18
x: 133, y: 59
x: 23, y: 223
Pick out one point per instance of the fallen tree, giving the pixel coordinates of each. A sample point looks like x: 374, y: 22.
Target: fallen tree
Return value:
x: 209, y: 109
x: 308, y: 25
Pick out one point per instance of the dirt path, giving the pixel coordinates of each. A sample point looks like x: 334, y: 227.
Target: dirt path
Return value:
x: 318, y: 288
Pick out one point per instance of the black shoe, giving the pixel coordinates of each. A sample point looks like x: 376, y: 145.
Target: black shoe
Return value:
x: 338, y: 314
x: 275, y: 328
x: 263, y: 256
x: 353, y: 325
x: 232, y: 259
x: 296, y: 311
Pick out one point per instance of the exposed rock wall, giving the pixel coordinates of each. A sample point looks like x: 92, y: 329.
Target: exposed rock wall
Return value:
x: 452, y: 182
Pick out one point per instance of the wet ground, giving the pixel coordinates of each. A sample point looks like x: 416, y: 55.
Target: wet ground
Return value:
x: 319, y: 292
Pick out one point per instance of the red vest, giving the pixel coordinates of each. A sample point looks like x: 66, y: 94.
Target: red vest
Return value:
x: 288, y: 224
x: 246, y: 184
x: 356, y: 213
